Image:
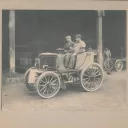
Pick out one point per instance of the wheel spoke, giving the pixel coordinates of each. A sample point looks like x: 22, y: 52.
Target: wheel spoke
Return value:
x: 85, y: 79
x: 54, y: 84
x: 51, y: 79
x: 53, y: 87
x: 95, y: 83
x: 86, y: 82
x: 46, y: 79
x: 42, y: 81
x: 45, y: 90
x: 92, y: 85
x: 88, y: 72
x: 42, y: 88
x: 98, y: 80
x: 89, y: 83
x: 98, y: 75
x: 93, y: 72
x: 42, y: 85
x: 48, y: 90
x: 96, y: 72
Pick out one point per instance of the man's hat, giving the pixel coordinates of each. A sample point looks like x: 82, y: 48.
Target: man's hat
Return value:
x: 67, y: 37
x: 78, y: 36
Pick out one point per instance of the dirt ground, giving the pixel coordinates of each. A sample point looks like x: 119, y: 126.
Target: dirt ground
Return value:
x: 111, y: 96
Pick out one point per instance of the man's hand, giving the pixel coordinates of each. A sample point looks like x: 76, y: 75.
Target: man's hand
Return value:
x: 65, y: 51
x: 74, y: 54
x: 71, y: 48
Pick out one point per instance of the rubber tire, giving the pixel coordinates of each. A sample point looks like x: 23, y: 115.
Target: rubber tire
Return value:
x: 87, y: 90
x: 40, y: 77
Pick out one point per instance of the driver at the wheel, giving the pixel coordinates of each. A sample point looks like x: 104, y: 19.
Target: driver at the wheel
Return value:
x: 68, y: 47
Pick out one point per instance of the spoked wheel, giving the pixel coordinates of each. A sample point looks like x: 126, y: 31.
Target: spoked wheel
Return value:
x: 91, y: 77
x: 29, y: 86
x: 48, y: 84
x: 109, y: 64
x: 118, y: 65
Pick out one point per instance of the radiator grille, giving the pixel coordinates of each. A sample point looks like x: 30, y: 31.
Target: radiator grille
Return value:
x: 48, y: 60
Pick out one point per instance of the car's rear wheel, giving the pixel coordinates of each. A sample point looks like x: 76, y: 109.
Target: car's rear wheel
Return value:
x: 91, y: 77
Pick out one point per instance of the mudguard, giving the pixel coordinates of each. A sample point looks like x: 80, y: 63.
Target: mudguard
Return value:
x: 33, y: 75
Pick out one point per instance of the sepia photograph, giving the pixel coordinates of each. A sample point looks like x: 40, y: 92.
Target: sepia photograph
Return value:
x: 64, y: 60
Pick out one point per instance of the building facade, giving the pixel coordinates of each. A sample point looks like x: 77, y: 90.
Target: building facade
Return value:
x: 44, y: 31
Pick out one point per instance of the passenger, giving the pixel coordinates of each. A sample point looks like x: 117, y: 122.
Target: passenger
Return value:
x: 80, y: 45
x: 79, y: 48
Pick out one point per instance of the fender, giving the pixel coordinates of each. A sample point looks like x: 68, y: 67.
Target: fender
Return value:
x: 33, y: 75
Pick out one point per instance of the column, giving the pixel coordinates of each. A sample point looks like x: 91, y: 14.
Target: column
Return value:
x: 99, y: 37
x: 12, y: 42
x: 126, y: 57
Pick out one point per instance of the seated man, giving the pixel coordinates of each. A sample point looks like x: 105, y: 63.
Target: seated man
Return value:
x: 69, y: 46
x: 79, y: 48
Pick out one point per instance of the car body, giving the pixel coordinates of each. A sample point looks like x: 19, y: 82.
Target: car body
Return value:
x: 50, y: 74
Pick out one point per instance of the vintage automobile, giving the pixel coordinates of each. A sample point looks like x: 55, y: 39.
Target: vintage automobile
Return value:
x: 50, y: 74
x: 113, y: 64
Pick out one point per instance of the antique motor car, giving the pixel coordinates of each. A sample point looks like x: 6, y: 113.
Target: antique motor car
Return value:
x: 49, y: 74
x: 113, y: 64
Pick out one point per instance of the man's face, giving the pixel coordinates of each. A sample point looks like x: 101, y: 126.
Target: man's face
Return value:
x: 68, y: 39
x: 77, y: 39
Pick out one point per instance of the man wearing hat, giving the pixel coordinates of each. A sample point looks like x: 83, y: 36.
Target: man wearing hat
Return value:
x: 69, y: 44
x: 68, y: 47
x: 80, y: 45
x: 79, y: 48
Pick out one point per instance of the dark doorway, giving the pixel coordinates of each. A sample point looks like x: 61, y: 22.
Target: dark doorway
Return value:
x: 50, y: 28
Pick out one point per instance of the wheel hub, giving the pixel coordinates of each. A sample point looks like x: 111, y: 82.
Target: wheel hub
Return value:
x: 91, y: 78
x: 48, y: 84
